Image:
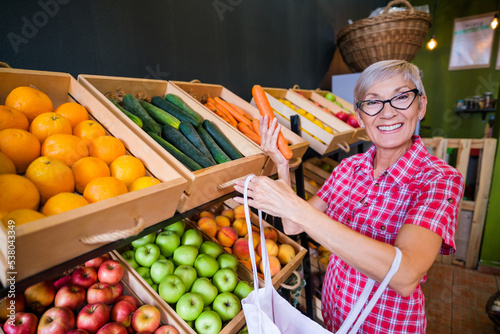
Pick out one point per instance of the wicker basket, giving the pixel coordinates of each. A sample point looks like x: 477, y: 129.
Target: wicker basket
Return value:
x: 494, y: 314
x: 397, y: 35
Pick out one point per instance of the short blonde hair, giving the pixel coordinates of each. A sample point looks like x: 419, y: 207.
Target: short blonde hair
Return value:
x: 384, y: 70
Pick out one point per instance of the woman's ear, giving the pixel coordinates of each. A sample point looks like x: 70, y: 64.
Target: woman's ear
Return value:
x: 358, y: 117
x: 422, y: 108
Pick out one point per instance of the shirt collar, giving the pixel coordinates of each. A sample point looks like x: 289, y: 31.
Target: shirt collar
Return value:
x: 403, y: 170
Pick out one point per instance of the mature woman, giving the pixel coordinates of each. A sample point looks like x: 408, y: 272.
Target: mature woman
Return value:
x: 395, y: 194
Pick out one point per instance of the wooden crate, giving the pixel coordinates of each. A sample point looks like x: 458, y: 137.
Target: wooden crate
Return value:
x: 200, y: 92
x: 342, y: 133
x: 318, y: 96
x: 479, y: 204
x: 203, y: 185
x: 46, y: 242
x: 231, y: 327
x: 314, y: 175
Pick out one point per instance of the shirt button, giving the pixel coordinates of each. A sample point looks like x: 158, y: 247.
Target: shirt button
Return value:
x: 348, y: 221
x: 376, y: 185
x: 382, y: 228
x: 365, y: 204
x: 338, y: 287
x: 384, y: 173
x: 450, y: 200
x: 345, y: 266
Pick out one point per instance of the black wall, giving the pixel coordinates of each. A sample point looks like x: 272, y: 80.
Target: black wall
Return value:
x: 236, y: 43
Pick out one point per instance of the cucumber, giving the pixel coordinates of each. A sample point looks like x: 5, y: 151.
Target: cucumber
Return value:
x: 160, y: 115
x: 133, y: 117
x: 190, y: 133
x: 222, y: 140
x: 181, y: 104
x: 172, y: 109
x: 132, y: 104
x: 184, y: 159
x: 176, y: 138
x: 219, y: 155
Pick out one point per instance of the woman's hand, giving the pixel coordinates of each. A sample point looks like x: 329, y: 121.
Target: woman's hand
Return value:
x: 269, y: 140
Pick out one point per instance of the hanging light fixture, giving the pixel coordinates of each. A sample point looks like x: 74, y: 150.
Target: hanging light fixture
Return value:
x: 432, y: 43
x: 494, y: 22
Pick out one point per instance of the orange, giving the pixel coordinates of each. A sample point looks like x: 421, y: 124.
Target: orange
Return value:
x: 51, y: 176
x: 89, y: 130
x: 63, y: 202
x: 74, y: 112
x: 107, y: 148
x: 127, y: 168
x: 48, y: 124
x: 103, y: 188
x: 6, y: 165
x: 86, y: 169
x: 12, y: 118
x: 20, y: 146
x: 67, y: 148
x: 21, y: 216
x: 143, y: 182
x: 17, y: 192
x: 30, y: 101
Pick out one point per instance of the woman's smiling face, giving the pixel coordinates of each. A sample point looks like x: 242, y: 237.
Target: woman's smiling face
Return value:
x: 392, y: 128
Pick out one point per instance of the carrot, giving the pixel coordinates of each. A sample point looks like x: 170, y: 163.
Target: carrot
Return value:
x: 212, y: 107
x: 265, y: 109
x: 245, y: 129
x: 226, y: 113
x: 256, y: 126
x: 237, y: 116
x: 241, y: 111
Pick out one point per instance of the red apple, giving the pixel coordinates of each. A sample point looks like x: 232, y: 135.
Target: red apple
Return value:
x: 84, y: 277
x: 92, y: 317
x: 352, y: 121
x: 77, y: 331
x: 11, y: 306
x: 71, y: 296
x: 342, y: 115
x: 56, y: 320
x: 39, y: 296
x: 146, y: 319
x: 128, y: 298
x: 95, y: 262
x: 24, y: 323
x: 100, y: 293
x: 113, y: 328
x: 166, y: 329
x: 117, y: 290
x: 122, y: 312
x: 62, y: 282
x: 111, y: 272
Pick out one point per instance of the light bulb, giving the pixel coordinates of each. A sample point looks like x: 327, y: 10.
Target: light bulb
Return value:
x: 431, y: 44
x: 494, y: 22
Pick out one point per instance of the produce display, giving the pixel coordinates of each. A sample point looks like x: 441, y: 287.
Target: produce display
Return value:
x: 92, y: 299
x: 56, y: 160
x: 228, y: 228
x: 194, y: 276
x: 196, y: 142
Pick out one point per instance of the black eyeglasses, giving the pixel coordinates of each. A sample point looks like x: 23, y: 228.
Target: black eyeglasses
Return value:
x: 401, y: 101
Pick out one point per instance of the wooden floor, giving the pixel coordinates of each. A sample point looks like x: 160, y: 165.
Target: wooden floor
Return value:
x: 455, y: 300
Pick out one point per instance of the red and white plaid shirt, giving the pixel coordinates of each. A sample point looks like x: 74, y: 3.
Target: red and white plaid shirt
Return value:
x: 418, y: 189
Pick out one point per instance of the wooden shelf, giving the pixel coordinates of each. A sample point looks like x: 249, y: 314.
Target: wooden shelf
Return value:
x: 483, y: 112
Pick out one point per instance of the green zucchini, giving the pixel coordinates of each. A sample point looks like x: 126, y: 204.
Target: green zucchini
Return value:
x: 190, y: 133
x: 160, y: 115
x: 222, y: 140
x: 172, y: 109
x: 132, y: 104
x: 219, y: 155
x: 176, y: 138
x: 181, y: 104
x: 184, y: 159
x: 133, y: 117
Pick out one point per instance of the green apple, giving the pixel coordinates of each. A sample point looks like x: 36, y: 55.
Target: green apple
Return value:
x: 208, y: 322
x: 330, y: 96
x: 171, y: 288
x: 129, y: 256
x: 160, y: 269
x: 228, y: 261
x: 242, y: 289
x: 187, y: 274
x: 147, y: 254
x: 192, y: 237
x: 168, y: 241
x: 189, y: 306
x: 227, y: 306
x: 177, y: 227
x: 205, y: 265
x: 144, y: 272
x: 185, y: 254
x: 155, y: 287
x: 211, y: 248
x: 207, y: 308
x: 161, y: 257
x: 147, y: 239
x: 225, y: 280
x: 206, y: 289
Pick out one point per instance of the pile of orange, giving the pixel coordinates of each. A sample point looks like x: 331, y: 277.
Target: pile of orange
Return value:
x: 52, y: 161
